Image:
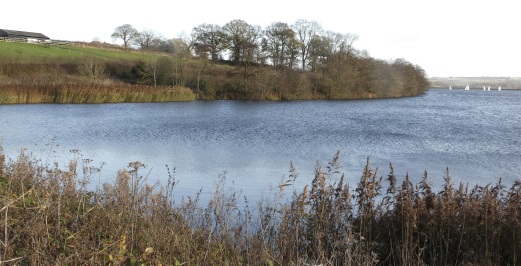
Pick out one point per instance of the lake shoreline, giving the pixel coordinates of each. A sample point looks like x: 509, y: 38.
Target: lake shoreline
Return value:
x: 124, y: 93
x: 50, y: 217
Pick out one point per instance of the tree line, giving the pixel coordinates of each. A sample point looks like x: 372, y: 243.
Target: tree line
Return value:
x: 233, y: 61
x: 281, y: 61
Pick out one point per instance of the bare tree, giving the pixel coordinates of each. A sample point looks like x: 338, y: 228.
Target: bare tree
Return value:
x: 180, y: 51
x: 305, y: 32
x: 329, y: 45
x: 152, y: 71
x: 279, y: 43
x: 161, y: 44
x: 93, y: 70
x: 318, y: 51
x: 125, y: 32
x: 180, y: 48
x: 145, y: 39
x: 342, y: 44
x: 209, y: 38
x: 243, y: 40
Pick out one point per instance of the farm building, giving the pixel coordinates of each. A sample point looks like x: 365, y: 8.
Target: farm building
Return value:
x: 23, y: 35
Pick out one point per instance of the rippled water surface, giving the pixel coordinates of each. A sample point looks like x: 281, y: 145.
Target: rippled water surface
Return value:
x: 477, y: 134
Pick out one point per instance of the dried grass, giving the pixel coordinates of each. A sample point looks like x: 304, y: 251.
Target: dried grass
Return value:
x: 48, y: 216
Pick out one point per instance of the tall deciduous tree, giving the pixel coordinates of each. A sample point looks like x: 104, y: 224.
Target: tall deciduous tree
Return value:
x: 180, y: 51
x: 305, y: 32
x: 161, y: 44
x: 318, y: 51
x: 180, y: 48
x: 242, y: 38
x: 151, y: 71
x: 209, y: 38
x: 124, y: 32
x: 146, y: 39
x: 279, y: 43
x: 342, y: 44
x: 331, y: 46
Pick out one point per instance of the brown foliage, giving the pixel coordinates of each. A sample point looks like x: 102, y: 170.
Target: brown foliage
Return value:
x: 49, y: 216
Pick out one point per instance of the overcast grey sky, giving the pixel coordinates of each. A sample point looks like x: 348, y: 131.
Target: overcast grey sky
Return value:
x: 444, y: 37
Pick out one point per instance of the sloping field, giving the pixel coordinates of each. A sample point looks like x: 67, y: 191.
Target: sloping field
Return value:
x: 34, y: 53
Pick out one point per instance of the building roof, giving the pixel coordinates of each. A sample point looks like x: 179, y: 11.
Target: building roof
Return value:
x: 22, y: 34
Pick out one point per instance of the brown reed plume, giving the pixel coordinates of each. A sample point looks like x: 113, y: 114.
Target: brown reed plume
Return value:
x: 49, y: 215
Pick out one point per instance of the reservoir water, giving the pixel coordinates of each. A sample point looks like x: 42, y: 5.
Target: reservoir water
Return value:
x: 476, y: 134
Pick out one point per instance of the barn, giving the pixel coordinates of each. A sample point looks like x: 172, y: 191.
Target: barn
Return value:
x: 23, y: 35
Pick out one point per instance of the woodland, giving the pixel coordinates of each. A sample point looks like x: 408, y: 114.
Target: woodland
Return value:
x: 235, y: 61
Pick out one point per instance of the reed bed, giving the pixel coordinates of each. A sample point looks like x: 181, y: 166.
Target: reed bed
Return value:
x: 49, y: 217
x: 90, y: 93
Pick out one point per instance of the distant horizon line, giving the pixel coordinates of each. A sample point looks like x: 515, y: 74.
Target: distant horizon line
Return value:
x: 510, y: 77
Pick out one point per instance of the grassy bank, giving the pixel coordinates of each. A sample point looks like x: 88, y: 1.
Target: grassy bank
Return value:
x: 36, y: 68
x: 77, y: 74
x: 48, y: 216
x: 13, y: 52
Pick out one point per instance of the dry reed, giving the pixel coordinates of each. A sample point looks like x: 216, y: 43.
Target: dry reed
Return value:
x: 48, y: 216
x: 74, y: 93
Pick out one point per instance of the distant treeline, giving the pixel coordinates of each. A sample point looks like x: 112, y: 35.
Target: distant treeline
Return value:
x: 512, y: 83
x: 234, y: 61
x: 280, y: 61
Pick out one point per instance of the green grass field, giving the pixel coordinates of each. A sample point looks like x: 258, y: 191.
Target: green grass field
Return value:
x: 40, y: 73
x: 26, y: 52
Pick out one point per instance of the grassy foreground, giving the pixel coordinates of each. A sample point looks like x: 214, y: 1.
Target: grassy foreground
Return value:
x: 48, y: 217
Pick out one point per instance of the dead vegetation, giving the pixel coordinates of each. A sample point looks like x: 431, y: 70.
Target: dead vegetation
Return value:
x: 48, y: 216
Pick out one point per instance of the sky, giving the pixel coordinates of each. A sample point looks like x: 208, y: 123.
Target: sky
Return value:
x: 447, y: 38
